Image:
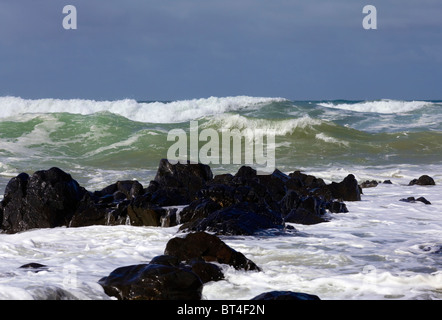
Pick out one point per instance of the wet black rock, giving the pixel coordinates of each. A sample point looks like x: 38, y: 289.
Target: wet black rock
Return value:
x: 301, y: 181
x: 303, y: 209
x: 236, y: 205
x: 207, y: 247
x: 142, y: 212
x: 119, y: 191
x: 152, y: 282
x: 369, y: 184
x: 239, y: 219
x: 423, y: 181
x: 178, y: 184
x: 246, y: 203
x: 413, y: 200
x: 34, y: 267
x: 94, y: 211
x: 46, y: 199
x: 240, y: 204
x: 206, y: 271
x: 347, y: 190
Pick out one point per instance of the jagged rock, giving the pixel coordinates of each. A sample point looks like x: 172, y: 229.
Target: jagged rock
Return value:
x: 347, y: 190
x: 93, y: 211
x: 243, y: 218
x: 121, y: 190
x: 46, y: 199
x: 142, y: 212
x: 178, y: 184
x: 299, y: 180
x: 202, y: 245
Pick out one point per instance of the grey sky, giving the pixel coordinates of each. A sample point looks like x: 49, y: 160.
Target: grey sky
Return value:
x: 183, y: 49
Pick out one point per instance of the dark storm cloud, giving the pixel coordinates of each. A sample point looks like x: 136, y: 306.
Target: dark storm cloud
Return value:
x: 174, y: 49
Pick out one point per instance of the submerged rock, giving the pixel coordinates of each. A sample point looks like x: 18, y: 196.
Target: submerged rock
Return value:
x: 412, y: 200
x: 34, y: 267
x: 285, y: 295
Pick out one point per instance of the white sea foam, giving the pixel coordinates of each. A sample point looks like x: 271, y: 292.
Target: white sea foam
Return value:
x: 323, y: 137
x: 149, y: 112
x: 280, y: 127
x: 380, y: 106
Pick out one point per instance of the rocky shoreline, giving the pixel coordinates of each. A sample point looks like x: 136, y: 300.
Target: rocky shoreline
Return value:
x: 210, y: 206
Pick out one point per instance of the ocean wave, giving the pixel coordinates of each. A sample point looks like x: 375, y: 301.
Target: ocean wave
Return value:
x: 323, y: 137
x: 279, y: 127
x: 148, y: 112
x: 380, y: 106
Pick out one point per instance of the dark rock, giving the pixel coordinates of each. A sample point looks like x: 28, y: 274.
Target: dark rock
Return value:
x: 243, y: 218
x: 222, y: 178
x: 246, y: 203
x: 139, y: 211
x: 285, y: 295
x: 347, y: 190
x: 166, y: 260
x: 170, y: 218
x: 35, y: 267
x: 422, y: 199
x: 423, y: 181
x: 413, y: 200
x: 369, y: 184
x: 198, y: 210
x: 201, y: 245
x: 299, y: 180
x: 275, y: 184
x: 142, y: 212
x: 387, y: 182
x: 47, y: 199
x: 241, y: 205
x: 303, y: 216
x: 245, y: 173
x: 152, y: 282
x: 121, y: 190
x: 119, y: 196
x: 178, y: 184
x: 89, y: 212
x: 306, y: 210
x: 336, y: 207
x: 309, y: 209
x: 204, y: 270
x: 289, y: 202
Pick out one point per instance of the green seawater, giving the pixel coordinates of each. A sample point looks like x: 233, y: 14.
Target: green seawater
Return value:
x: 98, y: 148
